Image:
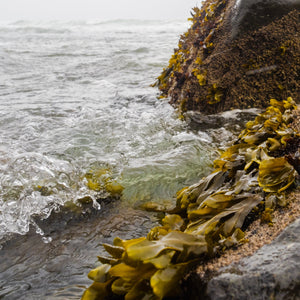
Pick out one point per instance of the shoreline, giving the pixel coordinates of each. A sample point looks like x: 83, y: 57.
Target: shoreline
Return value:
x: 231, y: 215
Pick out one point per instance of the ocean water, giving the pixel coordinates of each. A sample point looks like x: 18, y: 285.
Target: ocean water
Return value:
x: 76, y: 97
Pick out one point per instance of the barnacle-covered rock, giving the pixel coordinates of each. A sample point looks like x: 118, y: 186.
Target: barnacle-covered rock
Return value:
x: 252, y: 14
x: 236, y: 54
x: 210, y: 215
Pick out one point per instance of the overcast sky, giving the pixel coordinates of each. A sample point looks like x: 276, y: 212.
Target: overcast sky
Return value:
x: 11, y: 10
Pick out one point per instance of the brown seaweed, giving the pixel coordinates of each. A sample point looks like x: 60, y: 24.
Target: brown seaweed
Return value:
x: 212, y: 214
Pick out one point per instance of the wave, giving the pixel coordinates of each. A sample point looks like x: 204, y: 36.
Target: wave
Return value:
x: 57, y: 27
x: 77, y: 93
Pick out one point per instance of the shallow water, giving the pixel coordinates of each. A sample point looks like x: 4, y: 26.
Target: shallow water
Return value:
x: 33, y: 269
x: 76, y: 98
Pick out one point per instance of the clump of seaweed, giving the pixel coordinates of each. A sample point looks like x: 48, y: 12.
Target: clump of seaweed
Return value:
x: 101, y: 180
x: 251, y: 176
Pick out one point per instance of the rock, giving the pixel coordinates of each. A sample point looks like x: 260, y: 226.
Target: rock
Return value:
x: 273, y: 272
x: 251, y: 14
x: 236, y: 54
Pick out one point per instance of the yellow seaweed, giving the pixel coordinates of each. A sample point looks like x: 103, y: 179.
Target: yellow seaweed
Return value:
x: 100, y: 273
x: 99, y: 179
x: 212, y: 213
x: 165, y: 282
x: 276, y: 174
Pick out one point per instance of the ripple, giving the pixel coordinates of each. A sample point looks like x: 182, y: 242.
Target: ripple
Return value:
x: 76, y: 96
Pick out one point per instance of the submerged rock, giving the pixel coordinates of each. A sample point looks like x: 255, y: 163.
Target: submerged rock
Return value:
x: 273, y: 272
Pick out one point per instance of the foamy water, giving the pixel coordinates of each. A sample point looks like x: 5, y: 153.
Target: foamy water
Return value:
x: 76, y: 97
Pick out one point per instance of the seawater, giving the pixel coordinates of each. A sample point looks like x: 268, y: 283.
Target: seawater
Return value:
x: 75, y: 97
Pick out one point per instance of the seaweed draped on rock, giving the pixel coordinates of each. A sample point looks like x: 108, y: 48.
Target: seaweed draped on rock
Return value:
x: 236, y: 54
x: 250, y: 177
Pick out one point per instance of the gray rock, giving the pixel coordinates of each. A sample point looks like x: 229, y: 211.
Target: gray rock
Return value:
x: 273, y: 272
x: 251, y: 14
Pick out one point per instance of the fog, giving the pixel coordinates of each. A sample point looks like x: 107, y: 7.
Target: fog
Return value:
x: 11, y: 10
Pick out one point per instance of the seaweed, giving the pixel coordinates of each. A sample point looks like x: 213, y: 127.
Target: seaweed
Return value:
x: 101, y: 180
x: 249, y: 177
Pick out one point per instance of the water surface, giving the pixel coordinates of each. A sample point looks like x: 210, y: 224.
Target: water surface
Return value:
x: 75, y: 98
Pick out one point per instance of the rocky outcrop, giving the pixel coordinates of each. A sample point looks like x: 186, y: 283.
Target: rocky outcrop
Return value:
x: 236, y: 54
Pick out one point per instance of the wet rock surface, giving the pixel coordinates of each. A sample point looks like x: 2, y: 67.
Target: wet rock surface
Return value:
x: 251, y: 14
x: 273, y: 272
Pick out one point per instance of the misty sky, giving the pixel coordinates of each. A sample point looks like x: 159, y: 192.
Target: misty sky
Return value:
x: 11, y: 10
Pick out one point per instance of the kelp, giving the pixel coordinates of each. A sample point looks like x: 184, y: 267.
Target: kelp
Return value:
x: 251, y: 176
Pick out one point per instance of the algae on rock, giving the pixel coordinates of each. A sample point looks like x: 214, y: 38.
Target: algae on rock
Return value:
x: 222, y: 63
